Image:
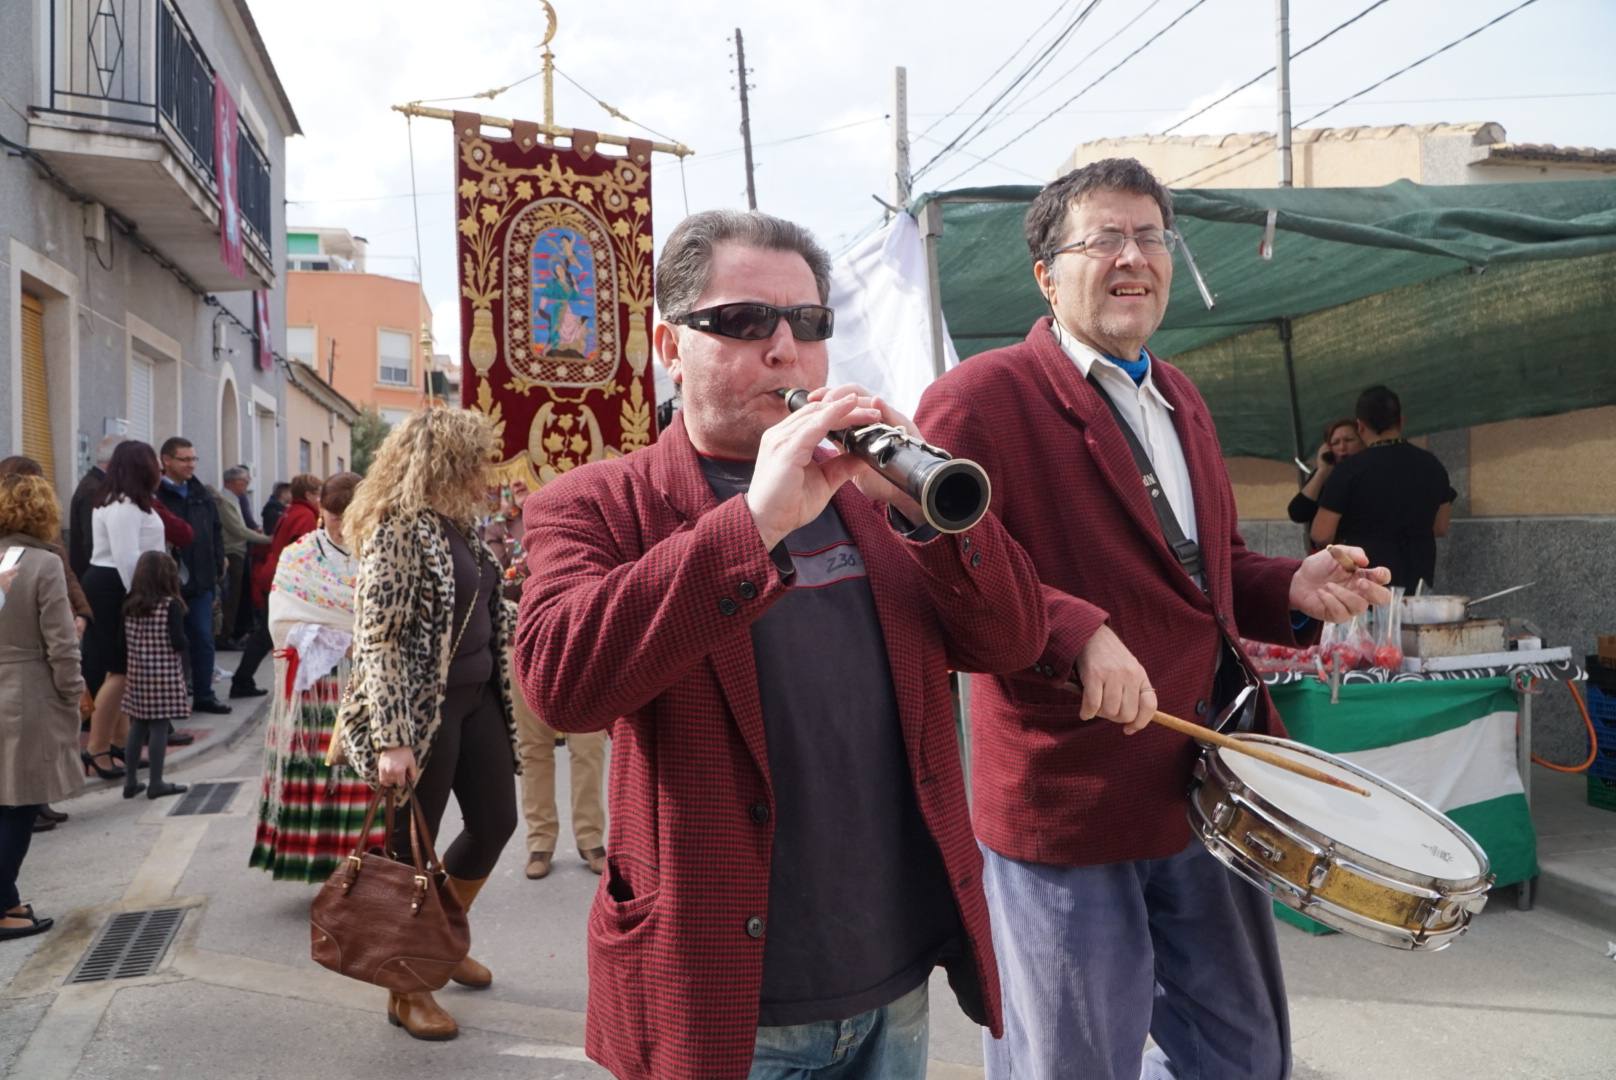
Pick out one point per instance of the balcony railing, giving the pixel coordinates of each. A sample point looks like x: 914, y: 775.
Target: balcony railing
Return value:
x: 137, y: 63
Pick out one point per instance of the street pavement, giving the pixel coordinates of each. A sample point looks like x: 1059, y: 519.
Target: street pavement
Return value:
x: 1525, y: 994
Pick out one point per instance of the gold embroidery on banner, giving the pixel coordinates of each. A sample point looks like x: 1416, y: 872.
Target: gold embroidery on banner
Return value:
x: 565, y: 432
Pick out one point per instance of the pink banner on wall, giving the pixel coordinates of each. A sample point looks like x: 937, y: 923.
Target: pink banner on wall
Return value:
x: 224, y: 175
x: 266, y: 342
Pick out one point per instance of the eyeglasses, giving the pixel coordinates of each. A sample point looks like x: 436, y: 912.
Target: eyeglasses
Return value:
x: 748, y: 320
x: 1108, y: 243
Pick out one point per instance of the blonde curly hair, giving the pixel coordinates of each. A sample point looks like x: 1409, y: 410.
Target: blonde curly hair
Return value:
x: 437, y: 459
x: 28, y: 505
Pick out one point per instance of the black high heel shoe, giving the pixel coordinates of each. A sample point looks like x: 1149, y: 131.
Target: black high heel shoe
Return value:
x: 117, y: 751
x: 114, y: 773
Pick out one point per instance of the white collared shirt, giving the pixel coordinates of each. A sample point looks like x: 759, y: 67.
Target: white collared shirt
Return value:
x: 1150, y: 417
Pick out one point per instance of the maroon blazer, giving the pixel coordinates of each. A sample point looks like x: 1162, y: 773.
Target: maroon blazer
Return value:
x: 638, y: 606
x: 1048, y: 787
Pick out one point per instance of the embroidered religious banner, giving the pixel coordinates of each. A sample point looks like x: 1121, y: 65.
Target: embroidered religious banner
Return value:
x: 554, y: 259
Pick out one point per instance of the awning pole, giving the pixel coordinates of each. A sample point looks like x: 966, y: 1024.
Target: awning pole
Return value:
x: 1290, y: 378
x: 931, y: 230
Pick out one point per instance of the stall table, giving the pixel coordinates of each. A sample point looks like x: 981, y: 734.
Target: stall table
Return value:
x: 1459, y: 740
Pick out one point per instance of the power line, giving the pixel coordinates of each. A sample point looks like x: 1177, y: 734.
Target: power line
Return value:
x: 1124, y: 28
x: 1017, y: 98
x: 1060, y: 39
x: 1269, y: 71
x: 1032, y: 79
x: 990, y: 161
x: 1096, y: 82
x: 995, y: 72
x: 1351, y: 97
x: 719, y: 155
x: 1268, y: 107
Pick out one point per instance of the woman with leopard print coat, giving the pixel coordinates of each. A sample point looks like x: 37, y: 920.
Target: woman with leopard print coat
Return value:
x: 429, y: 698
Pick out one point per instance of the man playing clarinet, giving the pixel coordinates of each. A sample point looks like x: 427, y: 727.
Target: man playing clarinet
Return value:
x: 1110, y: 921
x: 766, y: 630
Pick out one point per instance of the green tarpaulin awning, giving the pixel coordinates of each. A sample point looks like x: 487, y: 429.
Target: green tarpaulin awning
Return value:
x: 1475, y: 303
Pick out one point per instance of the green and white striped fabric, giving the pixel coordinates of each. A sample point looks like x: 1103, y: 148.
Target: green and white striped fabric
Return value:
x: 1450, y: 743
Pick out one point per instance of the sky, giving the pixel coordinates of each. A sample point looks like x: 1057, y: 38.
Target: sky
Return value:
x: 821, y: 98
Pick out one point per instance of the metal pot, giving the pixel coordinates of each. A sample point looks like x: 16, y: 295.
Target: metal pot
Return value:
x: 1426, y: 610
x: 1430, y: 609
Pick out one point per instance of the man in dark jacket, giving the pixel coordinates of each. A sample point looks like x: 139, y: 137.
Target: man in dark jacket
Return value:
x: 201, y: 565
x: 80, y: 544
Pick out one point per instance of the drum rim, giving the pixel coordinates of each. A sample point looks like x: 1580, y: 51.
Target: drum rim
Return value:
x: 1450, y: 886
x: 1330, y: 914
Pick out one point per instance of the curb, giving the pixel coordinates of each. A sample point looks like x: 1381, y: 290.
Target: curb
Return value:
x: 1578, y: 895
x: 220, y: 738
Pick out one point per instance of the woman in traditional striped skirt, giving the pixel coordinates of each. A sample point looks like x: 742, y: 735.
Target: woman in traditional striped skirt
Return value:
x: 309, y: 812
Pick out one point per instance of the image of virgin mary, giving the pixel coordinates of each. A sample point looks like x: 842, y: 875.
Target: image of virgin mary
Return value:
x: 563, y: 294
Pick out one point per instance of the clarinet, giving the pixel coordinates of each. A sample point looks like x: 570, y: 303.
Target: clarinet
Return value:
x: 952, y: 492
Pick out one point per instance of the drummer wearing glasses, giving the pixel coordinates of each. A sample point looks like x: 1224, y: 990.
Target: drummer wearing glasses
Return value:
x: 790, y: 852
x: 1110, y: 920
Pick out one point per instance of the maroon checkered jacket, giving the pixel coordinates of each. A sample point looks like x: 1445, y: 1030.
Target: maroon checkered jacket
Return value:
x: 1046, y: 786
x: 642, y: 590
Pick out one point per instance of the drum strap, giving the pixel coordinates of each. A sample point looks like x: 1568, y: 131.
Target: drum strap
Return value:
x: 1187, y: 551
x: 1230, y: 675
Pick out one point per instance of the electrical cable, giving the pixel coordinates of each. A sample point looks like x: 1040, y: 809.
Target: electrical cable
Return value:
x: 1124, y: 28
x: 1258, y: 78
x: 1351, y: 97
x: 994, y: 73
x: 1096, y: 82
x: 1049, y: 50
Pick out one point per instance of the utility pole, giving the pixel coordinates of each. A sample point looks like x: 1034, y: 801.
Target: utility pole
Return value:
x: 1283, y: 68
x: 900, y: 143
x: 741, y: 73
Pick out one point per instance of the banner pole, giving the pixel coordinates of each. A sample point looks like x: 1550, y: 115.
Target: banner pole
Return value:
x: 412, y: 109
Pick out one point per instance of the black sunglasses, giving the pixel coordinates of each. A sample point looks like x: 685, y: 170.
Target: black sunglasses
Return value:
x: 748, y: 320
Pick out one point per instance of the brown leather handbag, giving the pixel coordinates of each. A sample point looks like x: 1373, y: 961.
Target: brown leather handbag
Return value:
x: 389, y: 923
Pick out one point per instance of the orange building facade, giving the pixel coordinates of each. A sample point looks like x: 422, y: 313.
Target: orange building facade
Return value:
x: 362, y: 333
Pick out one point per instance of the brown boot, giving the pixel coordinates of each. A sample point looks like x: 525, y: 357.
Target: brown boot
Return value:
x: 469, y: 973
x: 421, y: 1016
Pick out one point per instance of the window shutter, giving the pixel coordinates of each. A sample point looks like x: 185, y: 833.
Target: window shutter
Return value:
x: 36, y: 418
x: 141, y: 377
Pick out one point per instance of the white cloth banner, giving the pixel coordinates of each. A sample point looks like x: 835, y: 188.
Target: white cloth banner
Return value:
x: 883, y: 317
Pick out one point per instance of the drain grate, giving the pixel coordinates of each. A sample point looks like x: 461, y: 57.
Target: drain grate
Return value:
x: 210, y: 798
x: 131, y: 944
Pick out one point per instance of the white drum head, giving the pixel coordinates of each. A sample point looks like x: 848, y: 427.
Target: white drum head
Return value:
x: 1387, y: 825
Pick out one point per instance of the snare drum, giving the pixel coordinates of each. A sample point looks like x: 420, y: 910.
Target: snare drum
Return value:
x: 1387, y: 868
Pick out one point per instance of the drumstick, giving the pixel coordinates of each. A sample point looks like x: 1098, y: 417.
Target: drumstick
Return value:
x: 1251, y: 749
x: 1344, y: 560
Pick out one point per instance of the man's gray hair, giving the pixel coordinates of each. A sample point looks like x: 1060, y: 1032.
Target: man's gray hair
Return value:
x: 104, y: 448
x: 687, y: 258
x: 234, y: 473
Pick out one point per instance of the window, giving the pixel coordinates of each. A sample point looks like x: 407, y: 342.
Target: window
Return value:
x: 300, y: 344
x: 141, y: 379
x: 305, y: 454
x: 36, y: 418
x: 394, y: 348
x: 340, y: 466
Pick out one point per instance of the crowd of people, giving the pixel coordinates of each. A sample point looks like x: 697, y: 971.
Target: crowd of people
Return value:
x: 766, y: 631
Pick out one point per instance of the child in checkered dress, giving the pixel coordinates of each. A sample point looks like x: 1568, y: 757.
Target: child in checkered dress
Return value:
x: 157, y: 693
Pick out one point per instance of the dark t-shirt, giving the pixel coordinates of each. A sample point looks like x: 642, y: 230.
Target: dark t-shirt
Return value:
x: 859, y: 903
x: 474, y: 578
x: 1388, y: 496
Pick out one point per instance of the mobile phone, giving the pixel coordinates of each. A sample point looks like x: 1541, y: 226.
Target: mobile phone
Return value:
x: 11, y: 558
x: 1329, y: 457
